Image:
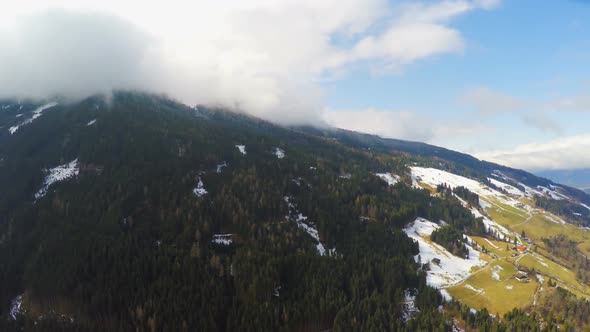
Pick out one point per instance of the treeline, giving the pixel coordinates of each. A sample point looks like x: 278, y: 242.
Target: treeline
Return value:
x: 567, y: 250
x: 463, y: 193
x: 565, y: 208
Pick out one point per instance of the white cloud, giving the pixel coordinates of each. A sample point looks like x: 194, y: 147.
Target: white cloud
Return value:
x: 576, y: 103
x: 406, y: 125
x: 488, y: 101
x: 402, y: 125
x: 562, y: 153
x: 264, y: 56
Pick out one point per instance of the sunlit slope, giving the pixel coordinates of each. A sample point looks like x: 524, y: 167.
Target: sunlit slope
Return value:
x: 514, y: 246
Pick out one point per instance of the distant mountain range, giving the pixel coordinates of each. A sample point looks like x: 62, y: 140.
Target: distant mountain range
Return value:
x: 578, y: 178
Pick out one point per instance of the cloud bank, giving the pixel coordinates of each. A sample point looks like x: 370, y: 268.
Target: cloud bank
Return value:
x: 265, y: 57
x: 562, y: 153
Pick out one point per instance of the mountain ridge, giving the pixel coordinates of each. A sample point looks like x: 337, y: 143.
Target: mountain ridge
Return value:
x: 116, y: 210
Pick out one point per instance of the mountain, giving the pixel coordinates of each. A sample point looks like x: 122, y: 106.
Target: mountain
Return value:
x: 577, y: 178
x: 137, y: 212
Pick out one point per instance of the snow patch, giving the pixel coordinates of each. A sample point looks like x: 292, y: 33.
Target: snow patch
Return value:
x: 241, y: 148
x: 508, y: 188
x: 496, y: 272
x: 36, y: 113
x: 509, y: 287
x: 301, y: 220
x: 221, y: 166
x: 279, y: 153
x: 446, y: 295
x: 200, y: 190
x: 491, y: 243
x: 410, y: 309
x: 16, y: 307
x: 390, y: 179
x: 477, y: 290
x: 554, y: 219
x: 91, y: 122
x: 223, y: 239
x: 551, y: 193
x: 57, y: 174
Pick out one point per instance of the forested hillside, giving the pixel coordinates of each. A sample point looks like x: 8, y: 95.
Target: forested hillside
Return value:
x: 139, y: 213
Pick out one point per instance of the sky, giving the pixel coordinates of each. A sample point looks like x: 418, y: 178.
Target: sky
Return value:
x: 504, y: 80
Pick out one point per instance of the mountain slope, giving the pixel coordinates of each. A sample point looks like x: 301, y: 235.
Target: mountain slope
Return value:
x: 141, y: 213
x: 466, y: 165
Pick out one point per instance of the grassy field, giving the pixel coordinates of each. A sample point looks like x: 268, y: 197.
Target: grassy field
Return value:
x: 494, y: 284
x: 504, y: 214
x: 491, y: 288
x: 496, y: 247
x: 555, y: 271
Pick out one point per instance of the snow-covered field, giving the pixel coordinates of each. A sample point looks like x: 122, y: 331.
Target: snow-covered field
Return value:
x: 434, y: 177
x: 452, y: 269
x: 241, y: 148
x: 279, y: 153
x: 36, y: 113
x: 390, y: 179
x: 56, y: 174
x: 508, y: 188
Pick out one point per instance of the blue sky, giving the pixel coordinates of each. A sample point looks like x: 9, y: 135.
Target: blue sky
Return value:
x: 534, y: 51
x: 505, y: 80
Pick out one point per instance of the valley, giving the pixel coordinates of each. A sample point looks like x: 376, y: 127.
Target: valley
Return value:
x: 517, y: 249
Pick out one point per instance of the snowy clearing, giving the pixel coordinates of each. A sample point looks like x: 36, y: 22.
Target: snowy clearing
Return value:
x: 434, y: 177
x: 200, y: 190
x: 390, y: 179
x: 279, y: 153
x: 452, y: 269
x: 242, y: 148
x: 223, y: 239
x: 57, y: 174
x: 36, y: 113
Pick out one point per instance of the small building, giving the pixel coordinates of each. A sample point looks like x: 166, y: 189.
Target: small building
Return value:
x: 521, y: 248
x: 521, y: 278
